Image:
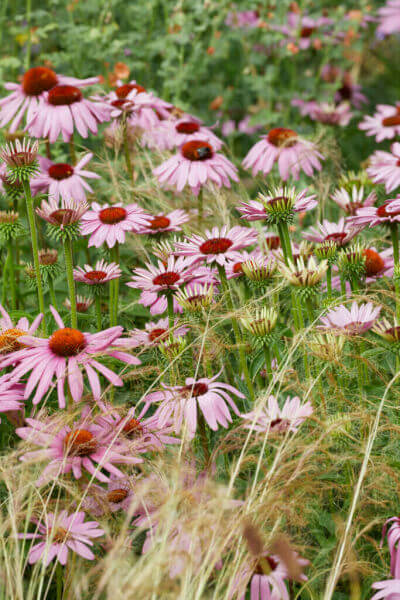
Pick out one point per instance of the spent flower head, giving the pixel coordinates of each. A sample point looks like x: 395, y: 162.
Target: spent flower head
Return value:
x: 20, y: 159
x: 261, y: 325
x: 63, y: 217
x: 196, y: 298
x: 10, y: 225
x: 351, y: 262
x: 304, y: 274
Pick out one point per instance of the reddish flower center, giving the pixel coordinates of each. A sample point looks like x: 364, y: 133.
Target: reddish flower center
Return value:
x: 62, y: 215
x: 374, y: 263
x: 157, y: 334
x: 381, y: 212
x: 133, y: 428
x: 60, y: 535
x: 80, y: 443
x: 61, y: 171
x: 215, y: 246
x: 307, y: 32
x: 117, y: 496
x: 123, y: 90
x: 96, y: 275
x: 352, y: 207
x: 112, y: 215
x: 337, y: 237
x: 197, y: 150
x: 195, y: 390
x: 121, y: 104
x: 346, y: 92
x: 187, y: 127
x: 82, y: 306
x: 238, y: 267
x: 259, y: 566
x: 9, y: 340
x: 394, y: 332
x: 38, y: 80
x: 273, y: 242
x: 160, y: 222
x: 168, y: 278
x: 282, y: 137
x: 64, y: 95
x: 67, y: 342
x: 393, y: 120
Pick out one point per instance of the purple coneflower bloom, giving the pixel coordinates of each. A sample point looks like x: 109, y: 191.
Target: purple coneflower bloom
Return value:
x: 389, y: 589
x: 155, y: 332
x: 275, y: 419
x: 389, y: 18
x: 357, y: 320
x: 63, y: 211
x: 301, y: 29
x: 196, y: 165
x: 101, y: 273
x: 258, y: 210
x: 351, y: 202
x: 10, y: 332
x: 63, y: 180
x: 217, y: 245
x: 11, y: 395
x: 165, y: 223
x: 393, y: 538
x: 180, y: 404
x: 385, y: 167
x: 82, y: 303
x: 384, y: 124
x: 60, y: 357
x: 110, y: 223
x: 341, y: 232
x: 387, y: 213
x: 61, y: 533
x: 118, y: 496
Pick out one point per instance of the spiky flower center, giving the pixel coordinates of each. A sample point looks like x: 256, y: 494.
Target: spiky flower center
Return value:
x: 60, y: 535
x: 393, y: 332
x: 260, y: 569
x: 48, y: 257
x: 338, y: 237
x: 64, y: 95
x: 393, y: 120
x: 96, y: 276
x: 168, y: 278
x: 187, y: 127
x: 157, y: 334
x: 238, y: 267
x: 374, y: 263
x: 133, y: 428
x: 8, y: 216
x: 159, y: 222
x: 307, y: 32
x: 38, y: 80
x: 80, y: 442
x: 196, y: 150
x: 216, y: 246
x: 112, y: 215
x: 117, y: 496
x: 61, y: 171
x: 67, y: 342
x: 62, y: 215
x: 195, y: 390
x: 273, y: 242
x: 382, y: 212
x: 9, y: 340
x: 280, y: 136
x: 123, y: 90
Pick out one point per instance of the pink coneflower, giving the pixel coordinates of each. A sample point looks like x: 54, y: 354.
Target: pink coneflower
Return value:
x: 389, y: 589
x: 10, y: 332
x: 64, y: 109
x: 63, y: 180
x: 196, y: 165
x: 357, y: 320
x: 301, y: 30
x: 62, y: 212
x: 266, y: 578
x: 101, y: 273
x: 280, y: 198
x: 165, y: 223
x: 384, y: 124
x: 242, y: 18
x: 393, y: 538
x: 329, y: 114
x: 82, y: 304
x: 61, y: 533
x: 217, y: 245
x: 155, y: 332
x: 118, y: 496
x: 285, y: 147
x: 275, y: 419
x: 25, y: 96
x: 180, y: 404
x: 352, y: 202
x: 341, y: 232
x: 86, y: 445
x: 385, y: 167
x: 60, y: 357
x: 387, y: 213
x: 378, y: 264
x: 11, y: 395
x: 109, y: 223
x: 389, y: 18
x: 163, y: 277
x: 350, y: 92
x: 186, y: 130
x: 234, y: 268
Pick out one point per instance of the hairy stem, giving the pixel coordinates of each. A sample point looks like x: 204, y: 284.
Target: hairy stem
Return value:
x: 71, y: 282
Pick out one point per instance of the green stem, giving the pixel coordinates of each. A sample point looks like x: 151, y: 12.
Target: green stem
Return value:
x: 60, y: 581
x: 396, y: 276
x: 329, y: 282
x: 29, y: 41
x: 343, y: 286
x: 170, y: 302
x: 72, y: 152
x: 114, y: 288
x: 127, y: 153
x: 71, y: 282
x: 285, y: 237
x: 235, y: 327
x: 200, y: 207
x: 53, y: 298
x: 35, y: 249
x: 98, y: 312
x: 10, y: 259
x: 5, y: 275
x: 268, y: 365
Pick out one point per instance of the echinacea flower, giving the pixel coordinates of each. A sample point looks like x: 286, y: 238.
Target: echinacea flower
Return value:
x: 62, y: 212
x: 11, y: 395
x: 329, y: 114
x: 272, y: 418
x: 59, y: 534
x: 60, y: 357
x: 242, y: 18
x: 285, y: 147
x: 341, y: 233
x: 25, y: 96
x: 354, y: 321
x: 196, y: 297
x: 180, y: 404
x: 386, y: 214
x: 217, y: 245
x: 389, y: 589
x: 19, y: 154
x: 63, y: 110
x: 100, y: 274
x: 350, y: 92
x: 234, y: 268
x: 118, y: 495
x: 393, y: 539
x: 378, y: 264
x: 389, y: 331
x: 165, y: 223
x: 155, y: 332
x: 185, y: 130
x: 259, y: 269
x: 82, y: 304
x: 63, y: 180
x: 302, y: 29
x: 389, y: 18
x: 384, y: 124
x: 10, y: 332
x: 196, y: 165
x: 351, y: 202
x: 277, y: 204
x: 385, y: 167
x: 109, y: 223
x: 85, y: 445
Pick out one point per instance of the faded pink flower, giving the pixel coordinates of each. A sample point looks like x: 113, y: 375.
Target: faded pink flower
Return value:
x: 354, y: 321
x: 341, y: 232
x: 272, y: 418
x: 385, y: 167
x: 384, y: 124
x: 165, y: 223
x: 389, y: 18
